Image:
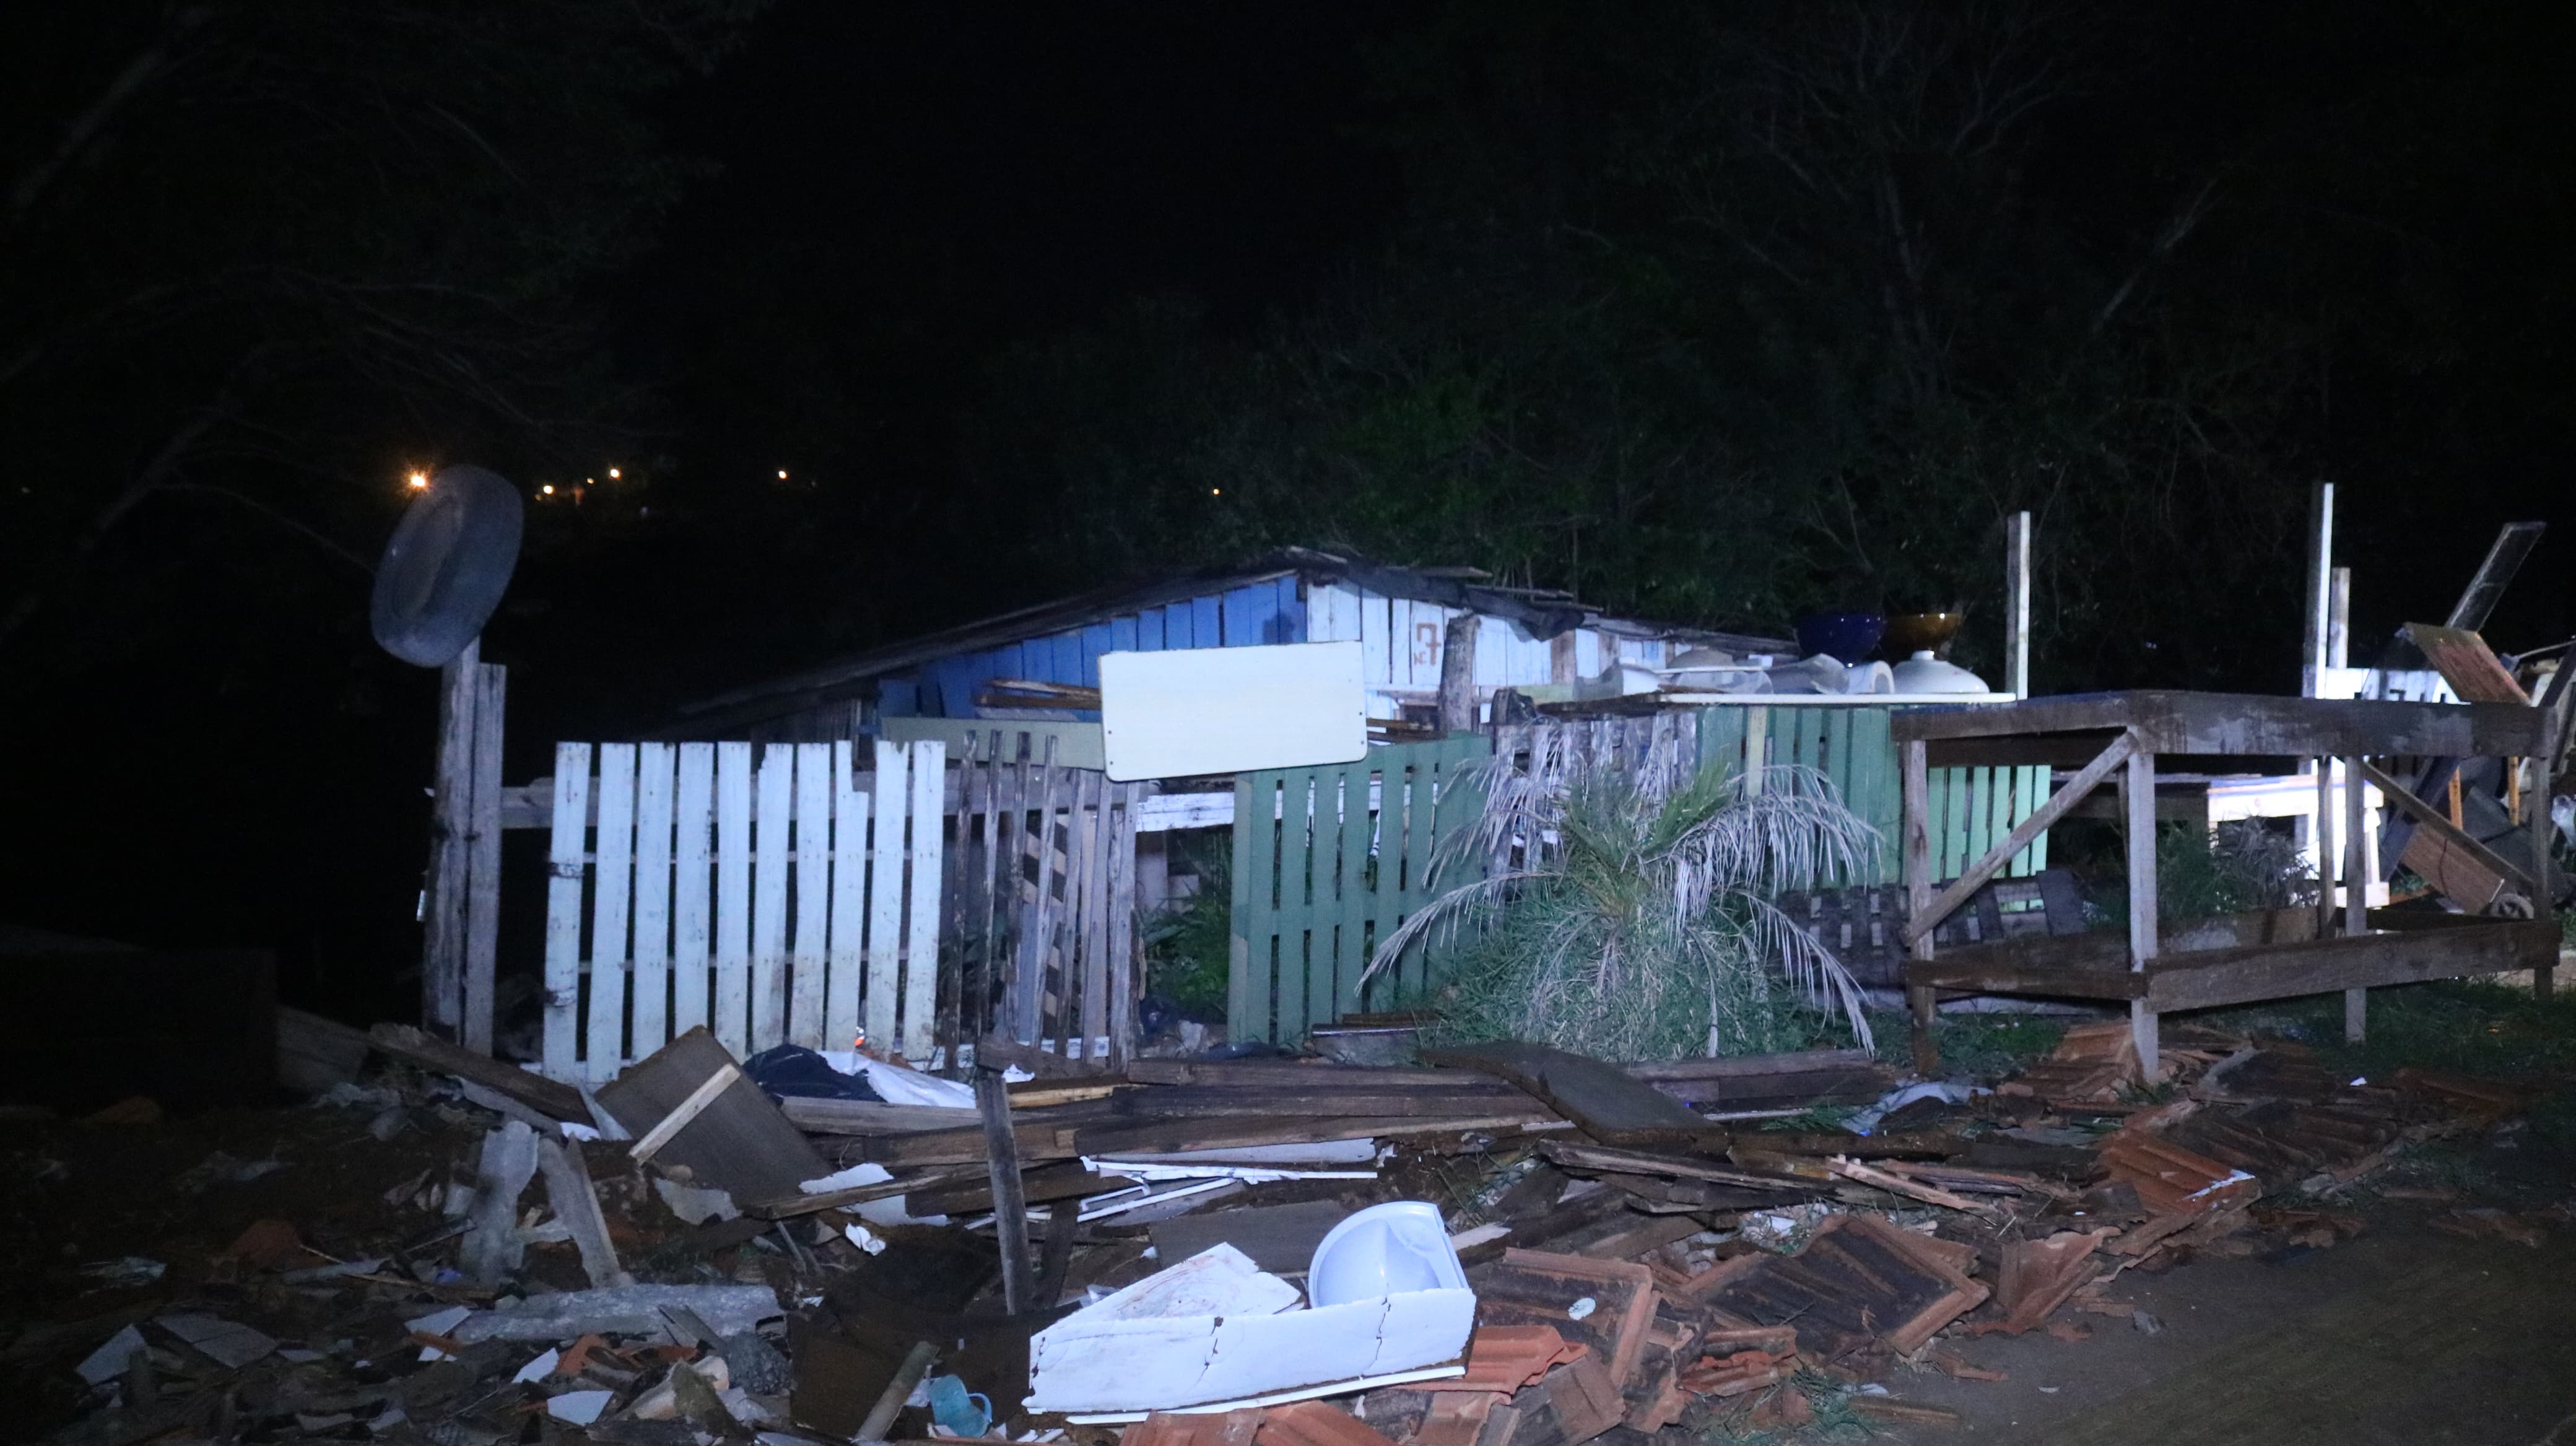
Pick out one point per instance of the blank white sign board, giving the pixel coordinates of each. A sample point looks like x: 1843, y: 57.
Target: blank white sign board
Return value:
x: 1226, y: 710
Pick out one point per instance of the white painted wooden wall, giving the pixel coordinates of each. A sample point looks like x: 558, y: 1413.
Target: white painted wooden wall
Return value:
x: 756, y: 891
x: 1400, y: 646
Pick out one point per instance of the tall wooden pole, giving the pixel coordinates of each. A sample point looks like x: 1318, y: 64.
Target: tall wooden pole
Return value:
x: 2017, y: 605
x: 2143, y: 935
x: 461, y: 905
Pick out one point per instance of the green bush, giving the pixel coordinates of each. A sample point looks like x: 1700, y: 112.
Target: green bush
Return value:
x: 1640, y: 927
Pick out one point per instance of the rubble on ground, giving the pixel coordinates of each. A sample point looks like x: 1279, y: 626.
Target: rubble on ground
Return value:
x: 679, y: 1256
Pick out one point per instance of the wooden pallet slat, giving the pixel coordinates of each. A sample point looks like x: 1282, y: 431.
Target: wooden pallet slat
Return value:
x: 928, y: 773
x: 561, y: 1029
x: 733, y: 898
x: 654, y: 797
x: 612, y: 880
x: 881, y: 998
x: 810, y: 896
x: 845, y: 940
x: 692, y: 857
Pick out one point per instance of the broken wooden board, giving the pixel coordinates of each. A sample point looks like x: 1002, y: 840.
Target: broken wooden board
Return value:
x: 2465, y: 662
x: 1765, y: 1187
x: 549, y: 1097
x: 1280, y: 1239
x: 739, y: 1142
x: 1602, y: 1100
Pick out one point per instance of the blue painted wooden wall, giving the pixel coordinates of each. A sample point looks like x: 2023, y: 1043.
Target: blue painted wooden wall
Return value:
x: 1270, y: 611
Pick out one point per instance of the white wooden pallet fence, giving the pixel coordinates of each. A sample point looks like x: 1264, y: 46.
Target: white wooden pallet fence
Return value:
x: 775, y: 904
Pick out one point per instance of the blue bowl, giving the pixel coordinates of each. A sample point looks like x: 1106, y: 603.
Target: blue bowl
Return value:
x: 1848, y: 636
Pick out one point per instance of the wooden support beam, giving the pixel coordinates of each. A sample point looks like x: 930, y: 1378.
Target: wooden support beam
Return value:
x: 2438, y: 822
x: 1010, y: 1209
x: 1929, y: 916
x: 2315, y: 599
x: 2356, y: 890
x: 2142, y: 901
x: 2321, y: 832
x: 1916, y: 824
x: 2544, y: 890
x: 2017, y: 605
x: 1458, y: 674
x: 669, y: 1126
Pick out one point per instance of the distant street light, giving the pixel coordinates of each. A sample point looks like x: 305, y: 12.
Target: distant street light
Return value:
x: 419, y: 480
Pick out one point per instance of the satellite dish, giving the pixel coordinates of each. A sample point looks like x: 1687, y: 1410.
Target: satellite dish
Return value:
x: 447, y: 565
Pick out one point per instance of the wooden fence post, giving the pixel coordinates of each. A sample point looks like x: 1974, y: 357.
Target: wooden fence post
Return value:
x: 461, y: 916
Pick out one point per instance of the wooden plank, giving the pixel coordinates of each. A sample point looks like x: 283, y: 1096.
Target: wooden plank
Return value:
x: 483, y: 857
x: 612, y: 881
x: 882, y: 998
x: 844, y: 947
x: 2245, y: 725
x: 2356, y: 903
x: 683, y: 1113
x: 1421, y: 834
x: 1041, y: 975
x: 1920, y: 1000
x: 810, y: 893
x: 2212, y: 977
x: 550, y: 1097
x: 576, y: 1203
x: 739, y: 1142
x: 2017, y: 605
x: 2080, y: 966
x: 2465, y: 661
x: 566, y: 852
x: 2143, y: 912
x: 692, y: 808
x: 1349, y: 915
x: 974, y: 1014
x: 1010, y: 1208
x: 1123, y: 1027
x: 1603, y: 1102
x: 1095, y: 920
x: 929, y: 770
x: 771, y: 839
x: 2513, y: 543
x: 732, y: 1026
x: 1923, y: 920
x: 654, y: 795
x: 1256, y: 855
x: 442, y: 973
x: 1073, y: 968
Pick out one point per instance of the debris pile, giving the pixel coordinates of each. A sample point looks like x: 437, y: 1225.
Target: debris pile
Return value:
x: 1506, y: 1246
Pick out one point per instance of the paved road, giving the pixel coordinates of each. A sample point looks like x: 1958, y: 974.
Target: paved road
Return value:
x: 2400, y: 1338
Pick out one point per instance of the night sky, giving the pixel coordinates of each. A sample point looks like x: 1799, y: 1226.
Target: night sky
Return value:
x: 870, y: 216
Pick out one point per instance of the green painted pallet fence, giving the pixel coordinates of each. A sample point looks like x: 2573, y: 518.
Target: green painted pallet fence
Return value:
x: 1327, y: 861
x: 1972, y: 808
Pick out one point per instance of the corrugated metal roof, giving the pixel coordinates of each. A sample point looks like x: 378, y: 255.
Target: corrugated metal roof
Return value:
x: 1543, y: 612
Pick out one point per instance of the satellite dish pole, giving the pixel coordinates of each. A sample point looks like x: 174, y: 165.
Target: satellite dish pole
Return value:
x: 443, y: 572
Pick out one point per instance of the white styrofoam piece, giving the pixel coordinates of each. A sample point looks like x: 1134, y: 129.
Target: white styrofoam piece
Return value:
x: 1172, y: 1362
x: 537, y: 1369
x: 1194, y: 711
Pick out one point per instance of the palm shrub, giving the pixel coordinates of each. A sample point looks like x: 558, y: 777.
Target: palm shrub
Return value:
x: 1628, y: 915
